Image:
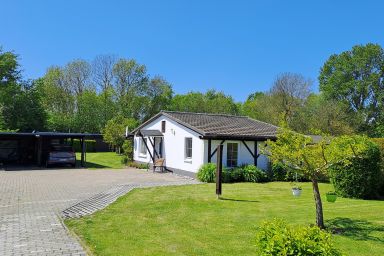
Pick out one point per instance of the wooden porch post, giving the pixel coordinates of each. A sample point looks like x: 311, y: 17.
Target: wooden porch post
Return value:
x: 209, y: 150
x: 219, y: 169
x: 255, y: 155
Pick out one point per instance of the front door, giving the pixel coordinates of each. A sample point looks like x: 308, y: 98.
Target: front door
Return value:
x: 159, y: 147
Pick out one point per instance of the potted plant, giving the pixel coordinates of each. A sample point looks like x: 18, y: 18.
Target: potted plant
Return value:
x: 331, y: 196
x: 296, y: 191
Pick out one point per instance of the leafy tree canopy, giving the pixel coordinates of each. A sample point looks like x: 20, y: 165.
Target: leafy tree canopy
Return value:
x: 356, y: 77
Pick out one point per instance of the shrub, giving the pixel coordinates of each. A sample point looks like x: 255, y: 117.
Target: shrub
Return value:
x: 237, y: 174
x: 253, y: 174
x: 277, y: 238
x: 138, y: 165
x: 280, y: 172
x: 226, y: 175
x: 207, y: 172
x: 361, y: 177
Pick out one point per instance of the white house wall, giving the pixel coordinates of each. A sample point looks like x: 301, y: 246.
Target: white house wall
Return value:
x: 244, y: 157
x: 173, y: 146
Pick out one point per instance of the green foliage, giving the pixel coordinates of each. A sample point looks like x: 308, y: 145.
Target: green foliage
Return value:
x: 277, y: 238
x: 209, y: 102
x: 281, y: 172
x: 355, y: 77
x: 90, y: 145
x: 114, y: 131
x: 361, y: 176
x: 127, y: 151
x: 138, y: 165
x: 207, y: 172
x: 253, y: 174
x: 237, y: 174
x: 244, y: 173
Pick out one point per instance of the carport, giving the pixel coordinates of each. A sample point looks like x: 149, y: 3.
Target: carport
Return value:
x: 31, y: 148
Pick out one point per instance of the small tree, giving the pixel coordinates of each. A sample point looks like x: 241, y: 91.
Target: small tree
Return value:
x: 313, y: 160
x: 114, y: 131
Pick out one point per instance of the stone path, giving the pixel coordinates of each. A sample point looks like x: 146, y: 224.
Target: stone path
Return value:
x: 32, y: 201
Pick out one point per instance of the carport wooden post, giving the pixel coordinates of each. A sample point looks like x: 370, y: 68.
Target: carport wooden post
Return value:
x: 219, y: 169
x: 39, y: 150
x: 82, y: 151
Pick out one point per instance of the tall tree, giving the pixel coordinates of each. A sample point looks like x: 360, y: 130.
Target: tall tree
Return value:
x: 320, y: 115
x: 159, y: 96
x: 77, y: 75
x: 289, y: 92
x: 19, y: 100
x: 209, y: 102
x: 57, y: 99
x: 130, y: 76
x: 103, y: 76
x: 356, y: 77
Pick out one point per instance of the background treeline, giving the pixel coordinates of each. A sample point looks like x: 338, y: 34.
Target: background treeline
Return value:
x: 83, y: 96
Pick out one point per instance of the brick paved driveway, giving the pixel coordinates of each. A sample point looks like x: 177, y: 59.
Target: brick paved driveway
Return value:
x: 31, y: 201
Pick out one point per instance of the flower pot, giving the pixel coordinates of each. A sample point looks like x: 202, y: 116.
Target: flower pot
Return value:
x: 296, y: 192
x: 331, y: 198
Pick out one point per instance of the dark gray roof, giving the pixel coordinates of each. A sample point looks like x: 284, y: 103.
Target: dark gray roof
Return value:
x: 50, y: 134
x: 221, y: 126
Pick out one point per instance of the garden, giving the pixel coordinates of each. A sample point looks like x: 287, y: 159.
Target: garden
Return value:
x: 260, y: 212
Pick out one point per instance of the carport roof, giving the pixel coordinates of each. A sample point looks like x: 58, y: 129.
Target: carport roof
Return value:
x: 50, y: 134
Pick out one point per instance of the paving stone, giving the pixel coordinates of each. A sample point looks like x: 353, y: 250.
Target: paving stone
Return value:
x: 32, y: 204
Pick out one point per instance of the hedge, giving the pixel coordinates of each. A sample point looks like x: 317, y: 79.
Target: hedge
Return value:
x: 90, y: 145
x: 362, y: 177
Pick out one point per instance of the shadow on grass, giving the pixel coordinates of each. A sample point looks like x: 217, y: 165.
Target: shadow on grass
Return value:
x: 92, y: 165
x: 238, y: 200
x: 355, y: 229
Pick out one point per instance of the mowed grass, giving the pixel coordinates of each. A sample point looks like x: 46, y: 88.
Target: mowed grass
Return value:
x: 97, y: 160
x: 190, y: 220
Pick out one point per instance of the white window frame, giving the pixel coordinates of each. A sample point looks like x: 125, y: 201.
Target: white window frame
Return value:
x: 237, y: 155
x: 142, y: 146
x: 186, y: 157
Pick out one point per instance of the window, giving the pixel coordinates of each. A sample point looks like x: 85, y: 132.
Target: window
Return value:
x: 143, y: 148
x: 163, y: 126
x: 188, y: 147
x: 232, y: 153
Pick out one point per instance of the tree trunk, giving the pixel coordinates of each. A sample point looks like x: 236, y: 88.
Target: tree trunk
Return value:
x: 319, y: 205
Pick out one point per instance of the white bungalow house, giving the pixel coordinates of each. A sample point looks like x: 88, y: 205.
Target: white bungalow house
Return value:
x: 188, y: 140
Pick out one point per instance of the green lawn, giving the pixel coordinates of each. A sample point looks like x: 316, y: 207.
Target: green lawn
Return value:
x: 102, y: 160
x: 190, y: 220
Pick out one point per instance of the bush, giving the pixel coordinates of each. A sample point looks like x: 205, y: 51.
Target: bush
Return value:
x: 280, y: 172
x: 253, y: 174
x: 277, y: 238
x: 237, y: 174
x: 226, y: 175
x: 207, y: 172
x: 90, y: 145
x: 138, y: 165
x: 361, y: 177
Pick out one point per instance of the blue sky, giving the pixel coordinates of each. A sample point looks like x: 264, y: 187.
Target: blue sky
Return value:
x: 233, y: 46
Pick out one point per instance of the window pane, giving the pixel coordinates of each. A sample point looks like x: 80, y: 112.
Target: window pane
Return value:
x: 232, y: 153
x: 188, y: 147
x: 143, y: 149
